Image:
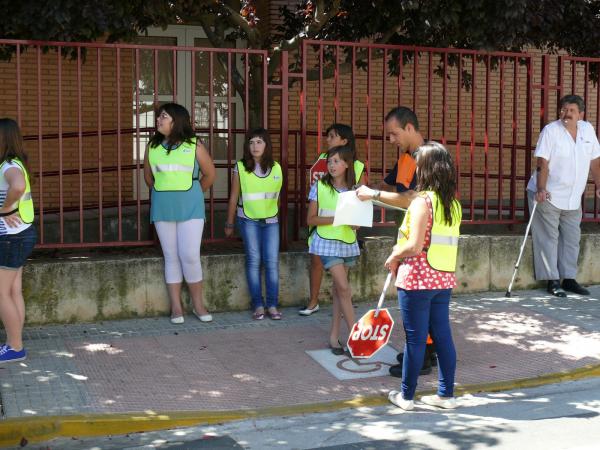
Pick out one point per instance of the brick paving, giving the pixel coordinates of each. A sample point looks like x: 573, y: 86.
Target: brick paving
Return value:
x: 236, y: 363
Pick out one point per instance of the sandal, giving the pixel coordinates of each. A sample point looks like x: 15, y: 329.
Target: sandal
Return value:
x: 274, y: 314
x: 338, y: 351
x: 258, y: 315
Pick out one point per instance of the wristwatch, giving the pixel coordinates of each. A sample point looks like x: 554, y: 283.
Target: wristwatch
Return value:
x: 376, y: 195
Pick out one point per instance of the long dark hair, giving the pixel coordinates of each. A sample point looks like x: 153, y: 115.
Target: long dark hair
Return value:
x: 435, y: 172
x: 345, y: 132
x: 182, y: 127
x: 266, y: 161
x: 11, y: 143
x: 347, y: 155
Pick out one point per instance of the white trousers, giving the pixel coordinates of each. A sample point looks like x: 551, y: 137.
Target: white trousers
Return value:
x: 180, y: 242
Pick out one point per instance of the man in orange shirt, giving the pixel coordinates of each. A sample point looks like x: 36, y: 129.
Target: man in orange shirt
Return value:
x: 402, y: 127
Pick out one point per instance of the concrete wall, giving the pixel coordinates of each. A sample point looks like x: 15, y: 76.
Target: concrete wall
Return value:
x: 89, y: 289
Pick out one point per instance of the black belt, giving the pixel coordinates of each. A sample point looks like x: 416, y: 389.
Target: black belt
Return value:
x: 10, y: 213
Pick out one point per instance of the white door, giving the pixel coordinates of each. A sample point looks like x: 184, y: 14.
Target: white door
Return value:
x: 179, y: 65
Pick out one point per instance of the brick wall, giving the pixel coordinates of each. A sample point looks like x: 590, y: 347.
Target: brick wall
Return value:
x: 40, y: 114
x: 361, y: 103
x: 492, y: 109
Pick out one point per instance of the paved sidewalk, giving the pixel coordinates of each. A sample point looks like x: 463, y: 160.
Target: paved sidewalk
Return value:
x: 235, y: 363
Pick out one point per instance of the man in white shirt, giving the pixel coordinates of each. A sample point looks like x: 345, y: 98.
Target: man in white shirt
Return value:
x: 566, y: 150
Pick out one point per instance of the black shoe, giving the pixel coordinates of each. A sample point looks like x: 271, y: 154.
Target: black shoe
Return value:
x: 555, y: 289
x: 426, y: 368
x: 571, y: 285
x: 431, y: 354
x: 433, y: 358
x: 396, y: 371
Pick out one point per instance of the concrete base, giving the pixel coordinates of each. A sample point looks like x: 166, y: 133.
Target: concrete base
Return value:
x: 80, y: 289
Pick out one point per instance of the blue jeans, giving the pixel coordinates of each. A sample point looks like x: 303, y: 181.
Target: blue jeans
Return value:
x: 261, y: 244
x: 423, y: 312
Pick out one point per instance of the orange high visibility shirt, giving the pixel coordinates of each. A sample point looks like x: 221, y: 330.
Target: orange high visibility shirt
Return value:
x: 406, y: 170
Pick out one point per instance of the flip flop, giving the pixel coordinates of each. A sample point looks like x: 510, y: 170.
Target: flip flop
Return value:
x: 258, y: 315
x: 275, y: 315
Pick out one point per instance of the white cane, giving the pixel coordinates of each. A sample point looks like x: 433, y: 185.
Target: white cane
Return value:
x: 385, y: 288
x: 521, y: 251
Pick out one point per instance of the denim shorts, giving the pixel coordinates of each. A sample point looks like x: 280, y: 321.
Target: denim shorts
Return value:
x: 16, y: 248
x: 330, y: 261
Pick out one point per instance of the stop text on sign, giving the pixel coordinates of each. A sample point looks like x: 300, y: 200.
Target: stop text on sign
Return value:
x: 370, y: 332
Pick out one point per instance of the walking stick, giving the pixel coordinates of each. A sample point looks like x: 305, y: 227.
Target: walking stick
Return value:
x: 521, y: 252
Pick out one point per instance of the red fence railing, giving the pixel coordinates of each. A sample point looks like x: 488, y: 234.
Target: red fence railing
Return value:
x: 87, y: 112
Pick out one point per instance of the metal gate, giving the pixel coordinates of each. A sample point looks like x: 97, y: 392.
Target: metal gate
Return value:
x: 87, y: 111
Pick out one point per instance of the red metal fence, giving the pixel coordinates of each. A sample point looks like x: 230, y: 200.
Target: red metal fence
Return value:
x: 87, y: 111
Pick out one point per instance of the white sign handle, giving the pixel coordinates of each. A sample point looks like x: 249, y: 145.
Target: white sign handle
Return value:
x: 385, y: 288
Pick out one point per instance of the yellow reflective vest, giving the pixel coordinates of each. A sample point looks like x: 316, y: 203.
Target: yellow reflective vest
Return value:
x: 25, y: 207
x: 327, y: 198
x: 260, y: 194
x: 359, y: 167
x: 443, y: 249
x: 174, y: 170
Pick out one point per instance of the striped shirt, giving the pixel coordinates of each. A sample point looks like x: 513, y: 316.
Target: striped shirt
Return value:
x: 4, y: 228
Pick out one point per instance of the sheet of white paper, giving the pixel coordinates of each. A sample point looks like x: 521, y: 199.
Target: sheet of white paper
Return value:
x: 350, y: 210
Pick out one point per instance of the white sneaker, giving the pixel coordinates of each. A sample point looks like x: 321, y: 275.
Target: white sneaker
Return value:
x: 177, y: 320
x: 203, y: 317
x: 396, y: 398
x: 440, y: 402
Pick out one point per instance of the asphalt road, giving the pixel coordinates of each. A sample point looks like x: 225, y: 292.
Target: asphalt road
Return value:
x: 558, y: 416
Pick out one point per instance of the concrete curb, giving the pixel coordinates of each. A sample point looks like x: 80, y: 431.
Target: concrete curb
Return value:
x: 37, y: 429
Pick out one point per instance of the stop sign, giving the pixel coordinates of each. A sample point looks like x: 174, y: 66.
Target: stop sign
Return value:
x: 370, y: 333
x: 318, y: 170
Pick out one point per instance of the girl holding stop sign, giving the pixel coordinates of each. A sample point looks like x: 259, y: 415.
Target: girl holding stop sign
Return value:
x: 424, y: 261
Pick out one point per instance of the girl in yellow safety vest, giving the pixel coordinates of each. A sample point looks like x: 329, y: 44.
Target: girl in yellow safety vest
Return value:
x: 337, y: 134
x: 179, y: 169
x: 17, y: 237
x: 255, y: 187
x: 424, y: 261
x: 336, y: 246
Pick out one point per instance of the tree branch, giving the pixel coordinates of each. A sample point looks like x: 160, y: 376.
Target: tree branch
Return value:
x: 252, y: 33
x: 320, y: 19
x: 384, y: 39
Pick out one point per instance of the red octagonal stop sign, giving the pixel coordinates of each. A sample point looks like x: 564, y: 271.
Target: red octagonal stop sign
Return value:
x: 370, y: 333
x: 317, y: 170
